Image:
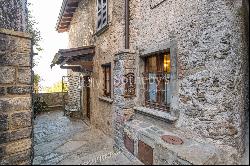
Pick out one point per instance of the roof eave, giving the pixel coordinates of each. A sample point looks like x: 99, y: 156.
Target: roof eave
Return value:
x: 67, y: 11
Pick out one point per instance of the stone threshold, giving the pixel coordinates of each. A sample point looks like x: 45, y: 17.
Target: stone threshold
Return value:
x: 165, y: 116
x: 106, y: 99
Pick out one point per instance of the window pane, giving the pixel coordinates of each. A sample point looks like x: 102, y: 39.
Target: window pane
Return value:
x: 152, y: 87
x: 99, y: 24
x: 102, y: 14
x: 152, y: 64
x: 167, y: 64
x: 157, y: 92
x: 166, y: 90
x: 99, y: 5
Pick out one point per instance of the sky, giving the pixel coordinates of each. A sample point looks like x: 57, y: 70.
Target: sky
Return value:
x: 46, y: 13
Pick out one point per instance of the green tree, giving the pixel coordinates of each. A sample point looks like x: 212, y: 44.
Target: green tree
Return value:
x: 33, y: 30
x: 57, y: 87
x: 37, y: 80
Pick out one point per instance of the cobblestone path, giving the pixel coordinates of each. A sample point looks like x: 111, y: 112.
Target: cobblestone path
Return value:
x: 59, y: 140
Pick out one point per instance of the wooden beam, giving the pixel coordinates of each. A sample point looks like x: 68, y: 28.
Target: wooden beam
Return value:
x: 68, y: 15
x: 70, y: 10
x: 79, y: 52
x: 62, y: 30
x: 64, y: 24
x: 73, y: 4
x: 77, y: 49
x: 76, y: 68
x: 81, y: 63
x: 63, y: 27
x: 67, y: 19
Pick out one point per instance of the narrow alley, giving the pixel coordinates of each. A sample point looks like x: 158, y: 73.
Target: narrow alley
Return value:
x: 124, y: 82
x: 61, y: 140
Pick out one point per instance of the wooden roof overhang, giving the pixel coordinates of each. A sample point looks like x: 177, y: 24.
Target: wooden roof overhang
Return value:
x: 77, y: 59
x: 66, y: 14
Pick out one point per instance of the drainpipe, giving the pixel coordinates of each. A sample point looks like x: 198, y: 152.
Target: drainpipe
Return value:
x: 126, y: 24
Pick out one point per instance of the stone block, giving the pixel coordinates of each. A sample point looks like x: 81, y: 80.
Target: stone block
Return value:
x: 3, y: 122
x: 2, y: 91
x: 16, y: 59
x: 19, y: 134
x: 19, y: 90
x: 2, y: 152
x: 15, y: 104
x: 128, y: 114
x: 7, y: 75
x: 24, y: 75
x: 18, y: 146
x: 16, y: 158
x: 3, y: 42
x: 129, y: 64
x: 3, y: 137
x: 21, y: 120
x: 10, y: 136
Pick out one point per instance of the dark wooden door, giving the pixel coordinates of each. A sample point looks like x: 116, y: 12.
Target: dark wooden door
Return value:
x: 87, y: 86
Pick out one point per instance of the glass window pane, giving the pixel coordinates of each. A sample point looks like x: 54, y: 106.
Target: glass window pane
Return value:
x: 167, y: 63
x: 152, y: 87
x: 99, y: 4
x: 157, y: 92
x: 152, y: 64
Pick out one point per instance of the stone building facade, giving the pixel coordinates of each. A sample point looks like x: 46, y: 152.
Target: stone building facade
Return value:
x: 15, y: 84
x: 206, y: 94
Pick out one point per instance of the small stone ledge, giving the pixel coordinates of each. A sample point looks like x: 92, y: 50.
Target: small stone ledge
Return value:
x: 101, y: 31
x: 15, y: 33
x: 156, y: 114
x: 190, y: 152
x: 106, y: 99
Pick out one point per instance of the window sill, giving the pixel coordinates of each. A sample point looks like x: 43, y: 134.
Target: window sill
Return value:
x: 101, y: 31
x: 165, y: 116
x: 106, y: 99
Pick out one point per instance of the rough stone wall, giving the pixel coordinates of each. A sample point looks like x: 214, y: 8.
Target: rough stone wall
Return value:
x: 122, y: 106
x: 53, y: 100
x: 12, y: 15
x: 74, y: 93
x: 15, y: 84
x: 210, y: 60
x: 15, y: 98
x: 246, y: 81
x: 83, y: 32
x: 207, y: 37
x: 81, y: 27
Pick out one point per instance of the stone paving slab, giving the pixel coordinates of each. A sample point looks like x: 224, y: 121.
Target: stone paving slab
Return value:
x: 60, y: 140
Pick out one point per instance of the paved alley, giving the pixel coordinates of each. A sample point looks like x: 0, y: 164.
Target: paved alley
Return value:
x: 59, y: 140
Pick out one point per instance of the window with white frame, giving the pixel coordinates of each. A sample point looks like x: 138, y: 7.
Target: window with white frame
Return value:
x: 102, y: 14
